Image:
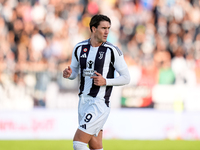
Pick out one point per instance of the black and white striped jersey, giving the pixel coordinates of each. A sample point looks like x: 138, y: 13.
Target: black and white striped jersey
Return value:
x: 104, y: 59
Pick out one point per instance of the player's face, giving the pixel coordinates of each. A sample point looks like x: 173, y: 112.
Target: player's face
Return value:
x: 102, y: 31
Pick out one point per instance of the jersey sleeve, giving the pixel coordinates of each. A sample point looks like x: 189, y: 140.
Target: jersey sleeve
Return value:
x: 122, y: 68
x: 119, y: 63
x: 75, y: 63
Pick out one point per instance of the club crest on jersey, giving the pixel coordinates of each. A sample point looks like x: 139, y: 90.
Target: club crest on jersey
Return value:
x: 85, y: 49
x: 101, y: 55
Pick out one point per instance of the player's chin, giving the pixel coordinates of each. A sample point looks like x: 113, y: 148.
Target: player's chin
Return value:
x: 104, y: 39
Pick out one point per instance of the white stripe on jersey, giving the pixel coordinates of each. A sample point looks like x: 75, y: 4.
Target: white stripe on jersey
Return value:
x: 91, y: 57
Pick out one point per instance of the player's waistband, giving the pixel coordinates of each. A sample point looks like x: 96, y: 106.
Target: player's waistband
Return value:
x: 88, y: 98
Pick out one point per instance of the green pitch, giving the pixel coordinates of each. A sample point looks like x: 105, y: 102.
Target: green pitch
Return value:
x: 108, y: 145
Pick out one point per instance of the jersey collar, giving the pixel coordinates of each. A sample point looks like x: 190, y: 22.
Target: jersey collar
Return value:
x: 100, y: 45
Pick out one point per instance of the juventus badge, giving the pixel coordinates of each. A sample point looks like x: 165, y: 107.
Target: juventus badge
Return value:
x: 101, y: 55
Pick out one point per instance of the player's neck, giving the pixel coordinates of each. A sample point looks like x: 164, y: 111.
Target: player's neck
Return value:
x: 95, y: 43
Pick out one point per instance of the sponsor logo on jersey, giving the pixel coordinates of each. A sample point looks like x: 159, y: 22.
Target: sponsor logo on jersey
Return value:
x: 83, y: 55
x: 90, y: 63
x: 88, y: 72
x: 85, y: 49
x: 83, y: 126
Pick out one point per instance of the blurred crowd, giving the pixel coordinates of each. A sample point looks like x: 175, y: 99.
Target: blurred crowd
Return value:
x: 160, y: 40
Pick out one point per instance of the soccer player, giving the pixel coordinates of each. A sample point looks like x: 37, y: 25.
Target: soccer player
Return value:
x: 95, y: 59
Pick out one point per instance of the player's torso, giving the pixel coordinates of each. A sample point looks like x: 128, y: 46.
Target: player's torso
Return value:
x: 93, y: 59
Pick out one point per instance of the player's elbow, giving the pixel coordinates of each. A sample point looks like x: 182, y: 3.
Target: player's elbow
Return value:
x: 127, y: 79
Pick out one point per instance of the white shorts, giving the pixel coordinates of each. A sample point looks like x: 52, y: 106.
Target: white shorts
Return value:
x: 92, y: 114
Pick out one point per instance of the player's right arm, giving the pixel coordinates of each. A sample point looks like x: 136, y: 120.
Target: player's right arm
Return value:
x: 72, y: 71
x: 67, y: 72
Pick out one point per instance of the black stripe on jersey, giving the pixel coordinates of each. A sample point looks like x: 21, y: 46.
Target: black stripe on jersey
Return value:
x: 109, y: 75
x: 112, y: 56
x: 75, y: 52
x: 118, y: 50
x: 83, y: 65
x: 98, y: 66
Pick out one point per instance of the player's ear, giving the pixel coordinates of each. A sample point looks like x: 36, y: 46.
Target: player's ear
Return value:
x: 93, y: 29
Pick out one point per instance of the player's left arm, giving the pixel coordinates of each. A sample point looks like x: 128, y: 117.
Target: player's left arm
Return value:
x: 122, y: 68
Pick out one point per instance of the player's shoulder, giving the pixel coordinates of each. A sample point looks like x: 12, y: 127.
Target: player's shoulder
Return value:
x: 113, y: 47
x: 85, y: 42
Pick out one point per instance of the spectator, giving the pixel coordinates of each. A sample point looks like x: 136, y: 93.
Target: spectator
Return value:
x: 182, y: 72
x: 36, y: 39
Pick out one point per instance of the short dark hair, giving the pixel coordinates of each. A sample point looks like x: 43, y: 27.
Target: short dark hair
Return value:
x: 96, y: 19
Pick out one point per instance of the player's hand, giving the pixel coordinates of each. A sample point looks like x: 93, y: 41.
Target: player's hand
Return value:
x: 98, y: 79
x: 67, y: 72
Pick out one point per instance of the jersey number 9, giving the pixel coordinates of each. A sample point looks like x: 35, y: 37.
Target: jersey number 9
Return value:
x: 88, y: 117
